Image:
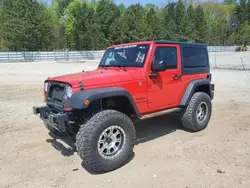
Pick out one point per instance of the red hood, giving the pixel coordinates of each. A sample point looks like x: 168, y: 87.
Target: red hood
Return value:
x: 95, y: 77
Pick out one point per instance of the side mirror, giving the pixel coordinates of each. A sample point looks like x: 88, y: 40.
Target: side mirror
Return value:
x: 159, y: 66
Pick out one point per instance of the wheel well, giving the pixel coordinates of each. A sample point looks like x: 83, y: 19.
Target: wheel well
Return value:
x: 203, y: 88
x: 122, y: 104
x: 119, y: 103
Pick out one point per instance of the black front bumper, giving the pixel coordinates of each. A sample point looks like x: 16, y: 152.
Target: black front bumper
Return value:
x: 54, y: 120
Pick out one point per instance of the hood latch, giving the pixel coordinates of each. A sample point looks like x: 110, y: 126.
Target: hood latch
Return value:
x: 80, y: 84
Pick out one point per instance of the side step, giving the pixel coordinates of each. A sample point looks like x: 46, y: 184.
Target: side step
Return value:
x: 160, y: 113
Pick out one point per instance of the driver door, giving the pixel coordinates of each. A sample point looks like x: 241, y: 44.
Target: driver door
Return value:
x: 165, y: 89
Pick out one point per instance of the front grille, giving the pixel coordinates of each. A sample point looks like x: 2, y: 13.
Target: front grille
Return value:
x: 56, y: 94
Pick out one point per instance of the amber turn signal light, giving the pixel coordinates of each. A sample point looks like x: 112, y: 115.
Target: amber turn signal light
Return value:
x: 86, y: 102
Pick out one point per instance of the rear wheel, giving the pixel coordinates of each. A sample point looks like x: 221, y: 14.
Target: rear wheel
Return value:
x: 198, y: 112
x: 106, y: 141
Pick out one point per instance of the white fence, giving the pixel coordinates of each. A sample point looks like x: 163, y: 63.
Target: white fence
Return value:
x: 76, y: 55
x: 230, y: 60
x: 223, y: 48
x: 50, y: 56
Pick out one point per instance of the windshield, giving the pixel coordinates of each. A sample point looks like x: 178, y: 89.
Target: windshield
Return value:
x: 125, y: 56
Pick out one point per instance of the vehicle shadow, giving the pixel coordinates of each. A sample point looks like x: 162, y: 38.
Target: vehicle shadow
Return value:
x: 65, y: 151
x: 153, y: 128
x: 146, y: 130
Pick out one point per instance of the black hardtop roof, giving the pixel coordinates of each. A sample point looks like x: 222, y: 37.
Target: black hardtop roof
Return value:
x: 180, y: 43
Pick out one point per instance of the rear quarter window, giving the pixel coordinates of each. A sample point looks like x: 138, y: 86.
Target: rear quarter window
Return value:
x: 194, y: 57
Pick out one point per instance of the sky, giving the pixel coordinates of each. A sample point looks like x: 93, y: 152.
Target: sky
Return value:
x: 129, y: 2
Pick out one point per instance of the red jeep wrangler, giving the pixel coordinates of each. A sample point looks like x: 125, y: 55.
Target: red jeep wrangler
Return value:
x: 132, y: 81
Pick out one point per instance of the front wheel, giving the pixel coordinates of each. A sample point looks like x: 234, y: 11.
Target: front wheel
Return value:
x: 106, y: 141
x: 198, y: 112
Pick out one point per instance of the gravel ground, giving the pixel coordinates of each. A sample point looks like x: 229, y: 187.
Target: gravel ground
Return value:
x: 166, y: 155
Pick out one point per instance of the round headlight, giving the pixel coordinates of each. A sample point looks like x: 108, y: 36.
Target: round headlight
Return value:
x: 68, y: 91
x: 46, y: 86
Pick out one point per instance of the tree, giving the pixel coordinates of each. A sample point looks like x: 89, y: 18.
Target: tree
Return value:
x: 242, y: 11
x: 61, y: 6
x: 248, y: 10
x: 230, y: 2
x: 244, y: 32
x: 122, y: 7
x: 106, y: 14
x: 200, y: 25
x: 190, y: 31
x: 220, y: 21
x: 26, y: 25
x: 168, y: 22
x: 96, y: 24
x: 150, y: 6
x: 130, y: 26
x: 81, y: 26
x: 182, y: 22
x: 1, y: 28
x: 58, y: 30
x: 153, y: 28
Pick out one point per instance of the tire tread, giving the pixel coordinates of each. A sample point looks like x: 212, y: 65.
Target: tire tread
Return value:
x: 86, y: 133
x: 187, y: 117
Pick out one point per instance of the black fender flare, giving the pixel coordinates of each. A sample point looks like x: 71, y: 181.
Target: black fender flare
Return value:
x: 191, y: 88
x: 76, y: 101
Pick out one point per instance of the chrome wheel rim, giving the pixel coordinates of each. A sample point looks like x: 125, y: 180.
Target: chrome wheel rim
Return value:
x: 111, y: 142
x: 202, y: 112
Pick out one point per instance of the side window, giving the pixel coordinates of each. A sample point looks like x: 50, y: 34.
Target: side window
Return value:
x: 167, y: 54
x: 194, y: 57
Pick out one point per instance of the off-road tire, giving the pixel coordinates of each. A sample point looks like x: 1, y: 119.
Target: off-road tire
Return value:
x: 188, y: 114
x: 88, y: 136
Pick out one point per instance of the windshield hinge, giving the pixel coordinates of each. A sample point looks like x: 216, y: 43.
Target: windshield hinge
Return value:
x: 80, y: 84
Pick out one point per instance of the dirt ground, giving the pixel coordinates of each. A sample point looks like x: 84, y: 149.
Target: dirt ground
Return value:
x: 165, y: 156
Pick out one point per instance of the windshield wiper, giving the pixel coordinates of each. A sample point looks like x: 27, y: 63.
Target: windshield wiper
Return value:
x: 120, y: 66
x: 104, y: 66
x: 117, y: 65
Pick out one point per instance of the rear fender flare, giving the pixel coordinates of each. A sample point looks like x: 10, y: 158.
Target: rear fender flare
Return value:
x: 191, y: 88
x: 77, y: 99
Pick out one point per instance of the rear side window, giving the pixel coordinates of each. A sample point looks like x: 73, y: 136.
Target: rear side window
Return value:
x: 194, y: 57
x: 167, y: 54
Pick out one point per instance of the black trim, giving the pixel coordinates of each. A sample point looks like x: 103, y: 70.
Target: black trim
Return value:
x: 212, y: 91
x: 55, y: 98
x: 80, y: 84
x: 188, y: 71
x: 190, y: 90
x: 194, y: 70
x: 77, y: 99
x: 57, y: 121
x: 180, y: 43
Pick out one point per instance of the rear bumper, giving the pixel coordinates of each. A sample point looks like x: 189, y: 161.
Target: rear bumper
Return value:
x: 56, y: 121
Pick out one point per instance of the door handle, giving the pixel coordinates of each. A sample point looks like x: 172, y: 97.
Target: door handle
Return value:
x: 177, y: 76
x: 152, y: 75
